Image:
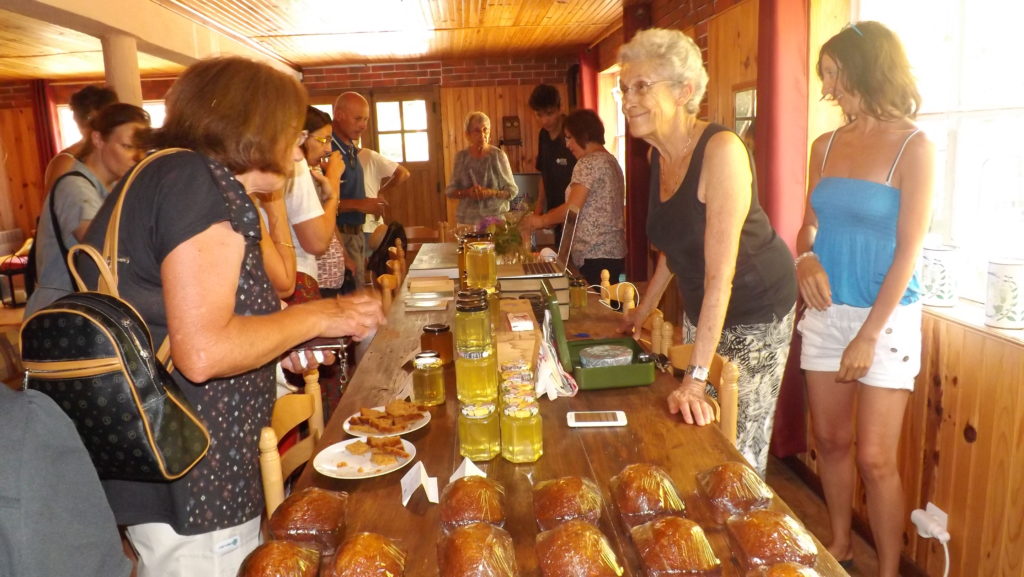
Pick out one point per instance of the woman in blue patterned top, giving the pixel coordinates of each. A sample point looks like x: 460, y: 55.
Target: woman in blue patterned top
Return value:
x: 864, y: 226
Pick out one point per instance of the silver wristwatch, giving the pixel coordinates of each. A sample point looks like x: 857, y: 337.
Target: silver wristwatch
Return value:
x: 699, y: 374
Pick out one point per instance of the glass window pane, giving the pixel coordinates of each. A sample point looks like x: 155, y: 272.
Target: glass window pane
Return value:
x: 69, y: 133
x: 391, y: 146
x: 415, y: 114
x: 328, y: 108
x: 388, y: 117
x: 157, y: 111
x: 417, y: 147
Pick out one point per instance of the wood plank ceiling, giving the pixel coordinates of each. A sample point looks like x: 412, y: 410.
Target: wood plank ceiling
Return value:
x: 324, y: 32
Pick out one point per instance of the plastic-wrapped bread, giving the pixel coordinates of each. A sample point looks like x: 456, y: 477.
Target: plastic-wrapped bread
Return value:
x: 672, y: 546
x: 732, y: 488
x: 312, y: 517
x: 556, y: 501
x: 576, y: 549
x: 471, y: 499
x: 280, y: 559
x: 643, y: 492
x: 765, y: 538
x: 367, y: 555
x: 476, y: 550
x: 786, y: 570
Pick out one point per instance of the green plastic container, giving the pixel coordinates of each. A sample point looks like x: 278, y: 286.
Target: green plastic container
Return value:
x: 632, y: 375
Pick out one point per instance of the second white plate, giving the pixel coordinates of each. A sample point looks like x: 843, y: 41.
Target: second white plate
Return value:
x: 335, y: 461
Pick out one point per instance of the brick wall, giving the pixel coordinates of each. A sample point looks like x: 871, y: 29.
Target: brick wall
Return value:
x: 15, y: 94
x: 449, y: 73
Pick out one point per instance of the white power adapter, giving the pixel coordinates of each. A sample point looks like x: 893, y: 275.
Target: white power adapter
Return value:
x: 931, y: 523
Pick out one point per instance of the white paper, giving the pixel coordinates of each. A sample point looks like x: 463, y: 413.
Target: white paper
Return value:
x: 467, y: 469
x: 415, y: 478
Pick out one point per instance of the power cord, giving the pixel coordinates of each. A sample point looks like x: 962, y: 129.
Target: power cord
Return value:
x: 929, y: 526
x: 606, y: 299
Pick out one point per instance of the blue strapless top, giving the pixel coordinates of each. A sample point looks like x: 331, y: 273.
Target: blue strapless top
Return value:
x: 856, y: 238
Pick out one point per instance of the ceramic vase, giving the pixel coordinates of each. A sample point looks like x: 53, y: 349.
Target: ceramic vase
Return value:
x: 938, y: 276
x: 1004, y: 300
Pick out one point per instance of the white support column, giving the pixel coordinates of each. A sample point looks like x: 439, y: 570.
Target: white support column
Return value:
x: 121, y: 62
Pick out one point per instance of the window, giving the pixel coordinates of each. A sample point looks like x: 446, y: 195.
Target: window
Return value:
x: 973, y: 111
x: 402, y: 130
x: 69, y: 129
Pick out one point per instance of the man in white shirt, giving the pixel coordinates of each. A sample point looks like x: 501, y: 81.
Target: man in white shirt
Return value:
x: 380, y: 174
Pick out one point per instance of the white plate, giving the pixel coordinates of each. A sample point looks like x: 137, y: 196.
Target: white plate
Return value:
x: 412, y: 426
x: 356, y: 466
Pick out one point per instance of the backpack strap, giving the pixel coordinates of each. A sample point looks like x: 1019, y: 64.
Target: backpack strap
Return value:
x: 54, y: 221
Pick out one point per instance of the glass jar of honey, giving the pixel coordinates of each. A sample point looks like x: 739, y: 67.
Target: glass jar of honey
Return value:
x: 522, y: 431
x: 479, y: 431
x: 427, y: 379
x: 578, y: 293
x: 438, y: 337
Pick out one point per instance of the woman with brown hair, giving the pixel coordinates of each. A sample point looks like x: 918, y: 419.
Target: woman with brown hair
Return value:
x: 84, y: 105
x: 189, y: 241
x: 113, y: 147
x: 864, y: 226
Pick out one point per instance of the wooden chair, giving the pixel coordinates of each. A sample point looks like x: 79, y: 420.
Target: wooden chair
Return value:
x: 724, y: 376
x: 289, y: 412
x: 421, y: 234
x: 388, y: 283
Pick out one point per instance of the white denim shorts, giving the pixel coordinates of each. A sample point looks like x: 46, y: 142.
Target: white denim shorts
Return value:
x: 897, y: 361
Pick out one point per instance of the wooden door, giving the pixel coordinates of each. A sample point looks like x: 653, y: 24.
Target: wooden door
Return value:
x: 405, y: 126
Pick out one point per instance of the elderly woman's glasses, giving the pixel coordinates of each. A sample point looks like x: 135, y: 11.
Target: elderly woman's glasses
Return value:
x: 639, y: 88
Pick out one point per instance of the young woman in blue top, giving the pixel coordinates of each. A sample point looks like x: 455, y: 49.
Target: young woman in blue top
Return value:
x: 864, y: 226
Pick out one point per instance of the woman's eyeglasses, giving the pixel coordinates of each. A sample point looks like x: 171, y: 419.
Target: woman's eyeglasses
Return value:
x: 321, y: 139
x: 638, y: 89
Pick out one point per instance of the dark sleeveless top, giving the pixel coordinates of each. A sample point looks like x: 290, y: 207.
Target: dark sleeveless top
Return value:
x: 764, y: 286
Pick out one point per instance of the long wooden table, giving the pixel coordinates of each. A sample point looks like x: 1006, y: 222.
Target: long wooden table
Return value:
x: 652, y: 436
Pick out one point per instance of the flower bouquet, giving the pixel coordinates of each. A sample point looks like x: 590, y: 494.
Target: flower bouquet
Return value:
x: 508, y: 242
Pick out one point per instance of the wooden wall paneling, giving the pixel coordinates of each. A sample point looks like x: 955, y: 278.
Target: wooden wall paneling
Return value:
x: 732, y: 58
x: 827, y: 18
x: 24, y: 174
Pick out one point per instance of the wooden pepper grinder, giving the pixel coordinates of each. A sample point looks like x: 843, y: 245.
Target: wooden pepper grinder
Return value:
x: 606, y: 285
x: 666, y: 337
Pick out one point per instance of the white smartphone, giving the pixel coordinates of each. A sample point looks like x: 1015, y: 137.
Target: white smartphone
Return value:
x: 596, y: 418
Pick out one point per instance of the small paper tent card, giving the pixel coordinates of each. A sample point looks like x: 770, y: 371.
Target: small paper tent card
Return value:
x: 414, y: 479
x: 466, y: 469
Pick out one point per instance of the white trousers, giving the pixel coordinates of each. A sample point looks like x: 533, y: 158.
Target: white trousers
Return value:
x: 164, y: 553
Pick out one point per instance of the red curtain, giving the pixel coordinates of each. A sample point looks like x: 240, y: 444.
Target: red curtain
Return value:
x: 47, y: 128
x: 588, y: 79
x: 781, y: 155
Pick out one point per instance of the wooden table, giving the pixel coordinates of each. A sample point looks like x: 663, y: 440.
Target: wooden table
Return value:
x: 652, y: 436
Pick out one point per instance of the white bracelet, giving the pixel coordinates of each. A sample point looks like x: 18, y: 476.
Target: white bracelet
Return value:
x: 804, y: 255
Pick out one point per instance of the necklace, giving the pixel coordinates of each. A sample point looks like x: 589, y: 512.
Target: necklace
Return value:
x: 672, y: 173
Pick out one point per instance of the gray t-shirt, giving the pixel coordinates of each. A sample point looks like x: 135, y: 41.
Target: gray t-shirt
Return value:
x: 76, y: 197
x: 54, y: 517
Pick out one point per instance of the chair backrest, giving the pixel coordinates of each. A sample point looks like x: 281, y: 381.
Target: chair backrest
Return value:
x: 388, y: 283
x: 289, y: 412
x: 724, y: 376
x: 421, y: 234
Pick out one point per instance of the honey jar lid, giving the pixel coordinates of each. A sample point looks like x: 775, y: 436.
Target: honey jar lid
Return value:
x: 436, y: 328
x: 477, y: 410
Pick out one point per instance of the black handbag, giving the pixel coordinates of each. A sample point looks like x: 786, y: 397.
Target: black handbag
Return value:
x: 92, y: 353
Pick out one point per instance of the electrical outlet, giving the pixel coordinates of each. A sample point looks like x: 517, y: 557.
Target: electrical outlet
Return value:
x: 938, y: 514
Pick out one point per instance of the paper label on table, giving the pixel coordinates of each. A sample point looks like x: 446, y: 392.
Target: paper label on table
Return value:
x: 467, y: 469
x: 417, y: 477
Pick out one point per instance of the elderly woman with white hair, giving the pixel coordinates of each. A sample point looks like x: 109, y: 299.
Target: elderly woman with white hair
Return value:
x: 735, y: 274
x: 481, y: 176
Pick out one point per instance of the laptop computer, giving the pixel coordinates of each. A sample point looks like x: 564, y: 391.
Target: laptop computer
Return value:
x: 547, y: 269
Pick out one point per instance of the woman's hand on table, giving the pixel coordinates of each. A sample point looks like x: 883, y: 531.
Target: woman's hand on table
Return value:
x: 813, y: 282
x: 688, y: 400
x: 356, y: 315
x: 632, y: 322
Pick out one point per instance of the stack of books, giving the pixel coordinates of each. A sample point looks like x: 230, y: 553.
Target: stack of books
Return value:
x: 429, y: 293
x: 516, y: 287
